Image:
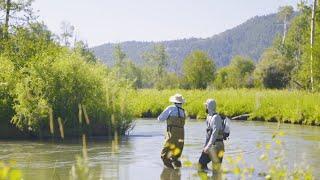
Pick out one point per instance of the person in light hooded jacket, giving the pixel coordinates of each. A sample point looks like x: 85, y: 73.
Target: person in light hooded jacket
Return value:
x: 213, y: 149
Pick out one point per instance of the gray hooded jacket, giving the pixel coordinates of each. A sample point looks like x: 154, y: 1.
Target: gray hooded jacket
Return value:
x: 214, y: 122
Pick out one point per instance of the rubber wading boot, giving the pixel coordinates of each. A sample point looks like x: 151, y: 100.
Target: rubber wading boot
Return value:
x: 203, y: 162
x: 176, y: 164
x: 167, y: 162
x: 202, y: 167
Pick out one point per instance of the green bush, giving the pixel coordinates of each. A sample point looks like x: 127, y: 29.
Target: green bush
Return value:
x: 42, y: 81
x: 67, y: 84
x: 7, y: 82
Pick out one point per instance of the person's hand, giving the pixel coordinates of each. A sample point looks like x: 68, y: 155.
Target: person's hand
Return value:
x: 206, y: 150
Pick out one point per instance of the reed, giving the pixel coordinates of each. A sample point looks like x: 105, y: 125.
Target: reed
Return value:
x: 86, y: 117
x: 61, y: 127
x: 51, y: 125
x: 80, y: 113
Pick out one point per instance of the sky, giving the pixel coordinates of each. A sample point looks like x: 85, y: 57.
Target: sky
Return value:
x: 103, y: 21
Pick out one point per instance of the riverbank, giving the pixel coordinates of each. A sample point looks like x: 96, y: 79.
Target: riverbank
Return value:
x: 296, y: 107
x: 261, y: 105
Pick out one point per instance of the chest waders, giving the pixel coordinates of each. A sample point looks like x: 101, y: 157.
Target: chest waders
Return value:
x: 215, y: 153
x: 174, y: 140
x: 209, y: 130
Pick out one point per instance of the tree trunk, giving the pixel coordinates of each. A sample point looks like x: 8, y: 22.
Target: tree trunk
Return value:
x: 312, y: 42
x: 285, y: 23
x: 7, y: 18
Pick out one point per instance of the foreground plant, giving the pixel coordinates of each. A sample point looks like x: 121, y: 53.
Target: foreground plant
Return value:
x: 8, y: 172
x: 273, y: 159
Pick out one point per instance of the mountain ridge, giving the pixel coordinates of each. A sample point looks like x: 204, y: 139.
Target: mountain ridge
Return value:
x: 248, y: 39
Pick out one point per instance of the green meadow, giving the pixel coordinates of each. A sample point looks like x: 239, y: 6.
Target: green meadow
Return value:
x: 297, y: 107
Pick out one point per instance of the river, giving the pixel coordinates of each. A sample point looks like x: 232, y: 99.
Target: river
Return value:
x: 139, y: 153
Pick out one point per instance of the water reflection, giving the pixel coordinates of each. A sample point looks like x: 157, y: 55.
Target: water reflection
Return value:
x: 212, y: 176
x: 170, y: 174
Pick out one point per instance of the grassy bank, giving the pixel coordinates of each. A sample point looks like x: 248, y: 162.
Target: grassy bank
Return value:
x: 268, y: 105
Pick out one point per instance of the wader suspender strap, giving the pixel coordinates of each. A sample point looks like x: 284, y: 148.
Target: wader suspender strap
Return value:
x: 209, y: 130
x: 223, y: 124
x: 179, y: 111
x: 169, y: 126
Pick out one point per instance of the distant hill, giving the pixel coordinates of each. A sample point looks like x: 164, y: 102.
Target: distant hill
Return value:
x: 248, y: 39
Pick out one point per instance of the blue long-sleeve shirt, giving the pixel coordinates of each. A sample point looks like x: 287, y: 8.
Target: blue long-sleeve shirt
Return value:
x: 172, y: 111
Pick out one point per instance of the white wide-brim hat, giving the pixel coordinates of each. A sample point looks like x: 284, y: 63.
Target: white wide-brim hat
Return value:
x: 177, y: 98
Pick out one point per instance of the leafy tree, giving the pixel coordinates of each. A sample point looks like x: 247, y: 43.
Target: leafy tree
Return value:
x: 199, y: 70
x: 119, y: 56
x: 157, y: 59
x: 284, y: 15
x: 133, y: 73
x: 67, y: 33
x: 312, y: 44
x: 19, y: 12
x: 8, y: 78
x: 125, y: 68
x: 222, y: 79
x: 237, y: 75
x: 273, y: 71
x: 296, y: 49
x: 304, y: 75
x: 28, y: 44
x: 83, y: 49
x: 297, y: 36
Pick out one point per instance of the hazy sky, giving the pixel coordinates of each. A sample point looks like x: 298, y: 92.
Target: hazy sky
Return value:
x: 101, y: 21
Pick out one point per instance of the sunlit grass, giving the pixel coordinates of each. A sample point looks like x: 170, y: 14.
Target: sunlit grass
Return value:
x: 268, y: 105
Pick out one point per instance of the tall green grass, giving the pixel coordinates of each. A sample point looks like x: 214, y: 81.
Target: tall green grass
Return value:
x: 268, y: 105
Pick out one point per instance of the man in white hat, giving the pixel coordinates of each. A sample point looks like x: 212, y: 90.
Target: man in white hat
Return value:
x: 174, y: 141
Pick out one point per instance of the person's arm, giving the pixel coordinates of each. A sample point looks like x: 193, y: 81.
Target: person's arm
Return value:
x: 165, y: 114
x: 215, y: 125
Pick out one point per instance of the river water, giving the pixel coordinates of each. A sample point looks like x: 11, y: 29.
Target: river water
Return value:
x: 138, y: 156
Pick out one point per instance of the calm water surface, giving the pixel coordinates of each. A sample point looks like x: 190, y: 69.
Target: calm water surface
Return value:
x: 139, y: 158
